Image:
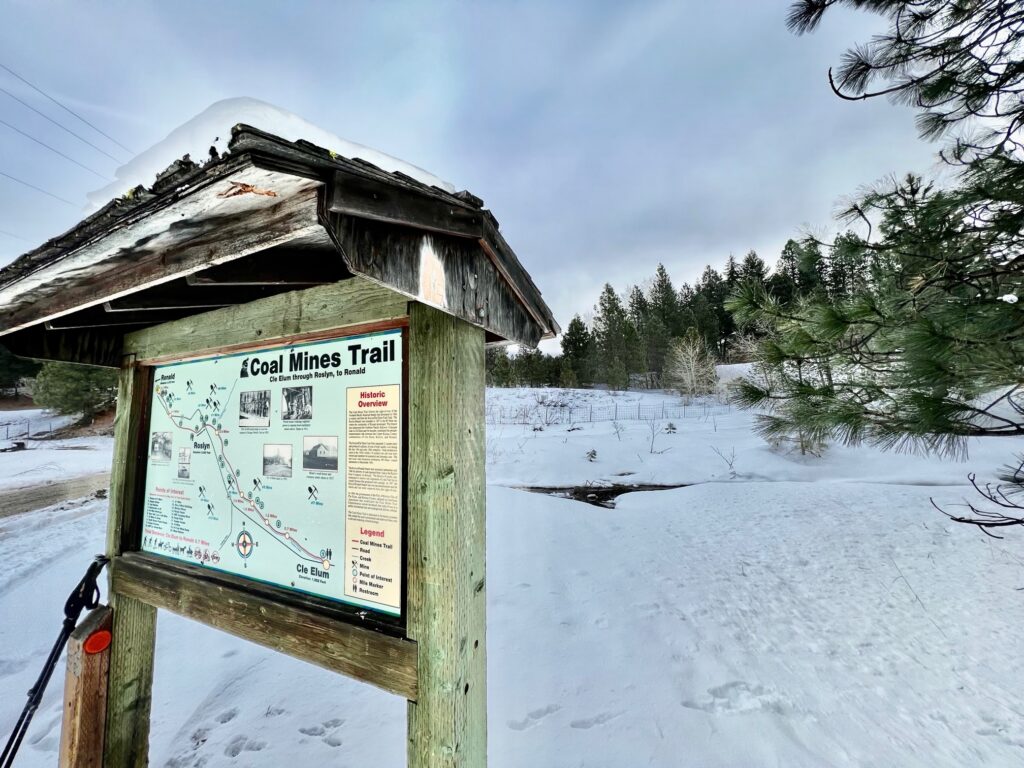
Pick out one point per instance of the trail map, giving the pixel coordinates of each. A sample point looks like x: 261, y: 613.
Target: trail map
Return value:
x: 283, y: 465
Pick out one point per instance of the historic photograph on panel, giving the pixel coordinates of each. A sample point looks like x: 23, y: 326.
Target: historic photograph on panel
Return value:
x: 254, y: 409
x: 320, y: 453
x: 184, y: 463
x: 296, y: 403
x: 160, y: 446
x: 277, y: 460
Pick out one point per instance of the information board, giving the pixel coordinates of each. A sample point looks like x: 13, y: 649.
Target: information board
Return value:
x: 283, y: 465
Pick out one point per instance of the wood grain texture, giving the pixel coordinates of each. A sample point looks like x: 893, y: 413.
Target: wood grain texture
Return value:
x: 85, y: 696
x: 130, y: 684
x: 468, y: 284
x: 129, y: 689
x: 85, y: 346
x: 446, y: 523
x: 382, y: 660
x: 370, y: 198
x: 194, y: 233
x: 326, y: 307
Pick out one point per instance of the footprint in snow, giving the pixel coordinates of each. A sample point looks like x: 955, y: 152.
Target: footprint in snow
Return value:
x: 12, y: 666
x: 42, y: 740
x: 590, y: 722
x: 241, y: 744
x: 740, y: 697
x: 227, y: 716
x: 533, y: 718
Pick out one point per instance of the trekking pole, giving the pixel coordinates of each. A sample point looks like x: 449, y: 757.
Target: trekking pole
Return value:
x: 85, y: 595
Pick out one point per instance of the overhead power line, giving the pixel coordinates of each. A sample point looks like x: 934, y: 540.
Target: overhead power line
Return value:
x: 12, y: 235
x: 66, y: 109
x: 39, y: 189
x: 30, y: 137
x: 59, y: 125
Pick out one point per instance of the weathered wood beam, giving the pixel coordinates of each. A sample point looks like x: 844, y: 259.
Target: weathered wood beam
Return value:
x: 446, y: 601
x: 324, y: 308
x: 356, y: 195
x: 130, y: 684
x: 100, y: 347
x: 176, y: 294
x: 518, y: 279
x: 229, y: 604
x: 451, y: 273
x: 173, y: 243
x: 100, y: 317
x: 85, y: 695
x: 282, y: 266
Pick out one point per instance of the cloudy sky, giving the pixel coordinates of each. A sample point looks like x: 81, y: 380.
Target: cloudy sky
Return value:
x: 605, y: 136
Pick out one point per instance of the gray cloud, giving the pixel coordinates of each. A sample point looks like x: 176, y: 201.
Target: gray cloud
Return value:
x: 605, y: 136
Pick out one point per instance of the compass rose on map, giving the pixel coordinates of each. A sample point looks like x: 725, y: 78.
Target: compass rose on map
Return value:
x: 244, y: 544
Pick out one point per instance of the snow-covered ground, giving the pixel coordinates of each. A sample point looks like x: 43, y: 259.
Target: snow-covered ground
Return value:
x: 30, y: 421
x: 48, y: 461
x: 789, y: 611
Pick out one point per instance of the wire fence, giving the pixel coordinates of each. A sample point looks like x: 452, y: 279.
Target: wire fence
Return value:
x: 27, y: 428
x: 561, y: 413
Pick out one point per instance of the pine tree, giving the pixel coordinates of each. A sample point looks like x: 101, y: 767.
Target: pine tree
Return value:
x: 664, y: 302
x: 639, y: 308
x: 732, y: 273
x: 567, y: 376
x: 613, y: 334
x: 81, y: 389
x: 657, y: 342
x: 752, y: 268
x: 578, y: 350
x: 498, y: 367
x: 925, y: 349
x: 926, y: 353
x: 716, y: 331
x: 849, y: 265
x: 957, y: 62
x: 14, y: 369
x: 811, y: 267
x: 784, y: 282
x: 530, y: 369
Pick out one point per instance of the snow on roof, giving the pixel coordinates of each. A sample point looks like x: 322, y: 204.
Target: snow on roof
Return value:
x: 212, y: 128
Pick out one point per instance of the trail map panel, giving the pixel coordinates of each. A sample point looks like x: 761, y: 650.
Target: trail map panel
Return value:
x: 283, y: 465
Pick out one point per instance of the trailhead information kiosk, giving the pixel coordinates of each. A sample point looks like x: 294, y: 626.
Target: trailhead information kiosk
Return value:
x: 283, y: 466
x: 299, y: 441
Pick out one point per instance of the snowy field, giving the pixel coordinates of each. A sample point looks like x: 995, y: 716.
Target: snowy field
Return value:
x: 48, y: 461
x: 785, y: 611
x: 30, y: 421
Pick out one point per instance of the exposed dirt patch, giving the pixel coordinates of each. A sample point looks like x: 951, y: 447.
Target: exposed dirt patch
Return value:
x: 18, y: 500
x: 101, y: 425
x: 19, y: 403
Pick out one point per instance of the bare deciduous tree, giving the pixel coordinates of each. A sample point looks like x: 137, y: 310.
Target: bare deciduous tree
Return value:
x: 690, y: 368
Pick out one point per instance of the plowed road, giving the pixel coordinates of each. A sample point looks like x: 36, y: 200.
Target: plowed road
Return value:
x: 18, y: 500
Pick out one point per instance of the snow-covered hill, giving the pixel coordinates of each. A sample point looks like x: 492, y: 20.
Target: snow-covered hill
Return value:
x: 791, y: 611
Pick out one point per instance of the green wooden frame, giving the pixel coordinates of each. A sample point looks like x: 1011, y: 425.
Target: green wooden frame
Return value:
x: 439, y: 666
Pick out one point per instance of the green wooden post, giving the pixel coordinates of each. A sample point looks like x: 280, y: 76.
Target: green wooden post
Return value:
x: 129, y: 690
x: 446, y: 515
